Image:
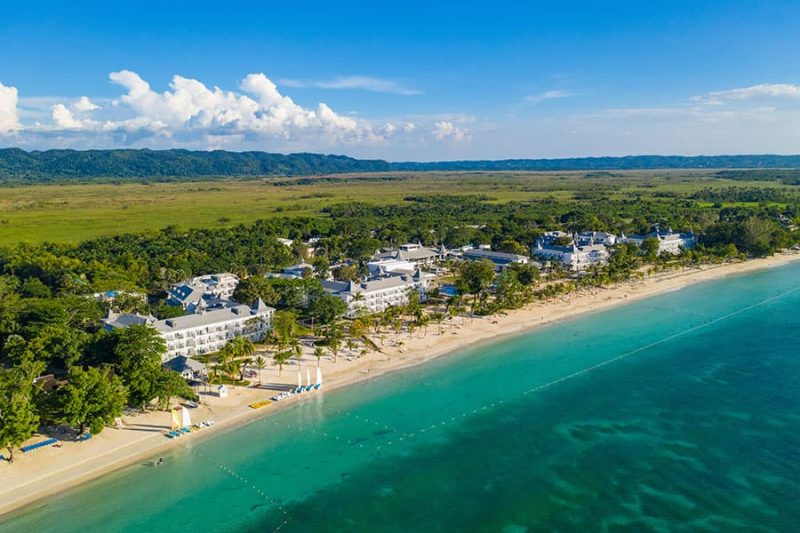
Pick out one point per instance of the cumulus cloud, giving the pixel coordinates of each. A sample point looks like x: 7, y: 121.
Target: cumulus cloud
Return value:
x: 549, y: 95
x: 366, y: 83
x: 446, y: 130
x: 63, y: 118
x: 255, y: 115
x: 83, y: 104
x: 9, y: 118
x: 259, y: 109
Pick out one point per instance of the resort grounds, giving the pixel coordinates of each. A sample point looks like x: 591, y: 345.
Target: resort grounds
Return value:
x: 141, y: 438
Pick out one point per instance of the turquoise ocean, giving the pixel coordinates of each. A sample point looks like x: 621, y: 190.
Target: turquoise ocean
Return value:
x: 678, y: 413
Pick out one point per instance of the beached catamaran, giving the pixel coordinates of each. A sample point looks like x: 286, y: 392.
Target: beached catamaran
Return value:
x: 318, y: 384
x: 309, y: 385
x: 299, y: 388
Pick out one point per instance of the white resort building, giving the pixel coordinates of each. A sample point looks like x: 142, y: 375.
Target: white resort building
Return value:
x: 413, y: 253
x: 376, y: 294
x: 669, y: 242
x: 203, y: 332
x: 384, y: 267
x: 213, y: 288
x: 500, y: 259
x: 574, y: 253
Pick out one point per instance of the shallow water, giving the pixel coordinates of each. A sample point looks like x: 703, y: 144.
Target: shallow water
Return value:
x: 679, y: 413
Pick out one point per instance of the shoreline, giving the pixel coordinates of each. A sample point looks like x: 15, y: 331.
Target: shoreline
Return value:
x: 43, y: 473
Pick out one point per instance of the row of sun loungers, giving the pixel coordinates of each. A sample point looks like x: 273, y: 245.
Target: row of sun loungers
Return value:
x: 36, y: 446
x: 175, y: 433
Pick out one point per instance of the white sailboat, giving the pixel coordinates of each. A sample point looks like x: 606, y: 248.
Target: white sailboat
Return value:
x: 309, y: 386
x: 318, y: 384
x: 299, y: 388
x: 186, y: 420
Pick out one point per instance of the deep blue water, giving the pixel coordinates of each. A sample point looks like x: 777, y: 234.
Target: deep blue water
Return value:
x: 680, y: 413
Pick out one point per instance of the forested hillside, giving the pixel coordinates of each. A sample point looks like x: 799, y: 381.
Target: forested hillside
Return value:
x: 58, y: 166
x: 636, y: 162
x: 19, y: 166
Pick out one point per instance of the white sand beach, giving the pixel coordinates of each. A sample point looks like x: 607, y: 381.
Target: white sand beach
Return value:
x: 141, y: 438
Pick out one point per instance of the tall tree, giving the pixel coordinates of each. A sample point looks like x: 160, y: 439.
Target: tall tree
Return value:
x: 93, y: 398
x: 327, y: 309
x: 284, y: 327
x: 59, y: 343
x: 18, y: 416
x: 170, y: 384
x: 137, y: 356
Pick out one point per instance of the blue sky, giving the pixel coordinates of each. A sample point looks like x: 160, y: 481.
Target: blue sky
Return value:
x: 404, y: 81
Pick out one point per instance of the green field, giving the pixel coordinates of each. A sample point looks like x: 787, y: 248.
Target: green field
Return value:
x: 72, y: 213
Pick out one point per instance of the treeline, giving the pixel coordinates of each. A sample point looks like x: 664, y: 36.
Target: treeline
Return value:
x: 635, y: 162
x: 745, y: 194
x: 19, y: 166
x: 789, y: 176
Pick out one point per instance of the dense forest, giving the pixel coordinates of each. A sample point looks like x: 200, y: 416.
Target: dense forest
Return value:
x: 58, y: 166
x: 633, y: 162
x: 19, y: 166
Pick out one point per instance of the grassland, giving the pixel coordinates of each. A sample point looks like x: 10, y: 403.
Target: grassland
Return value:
x: 71, y: 213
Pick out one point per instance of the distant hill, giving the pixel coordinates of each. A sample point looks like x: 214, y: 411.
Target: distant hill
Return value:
x: 634, y: 162
x: 96, y: 165
x: 59, y: 166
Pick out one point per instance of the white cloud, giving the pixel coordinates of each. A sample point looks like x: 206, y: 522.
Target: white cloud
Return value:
x: 9, y: 118
x: 549, y: 95
x: 446, y: 130
x: 761, y: 90
x: 191, y: 114
x: 257, y: 115
x: 83, y: 104
x: 63, y: 118
x: 366, y: 83
x: 259, y: 109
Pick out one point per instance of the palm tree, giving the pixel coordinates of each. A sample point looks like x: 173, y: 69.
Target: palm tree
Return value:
x: 296, y: 349
x: 319, y: 351
x: 351, y: 343
x: 376, y: 326
x: 358, y: 298
x: 242, y: 346
x: 438, y: 317
x: 422, y: 321
x: 230, y: 367
x: 333, y: 346
x: 243, y: 366
x: 281, y: 358
x: 234, y: 356
x: 260, y: 364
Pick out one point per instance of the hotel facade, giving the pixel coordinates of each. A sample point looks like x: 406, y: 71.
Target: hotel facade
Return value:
x: 202, y: 332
